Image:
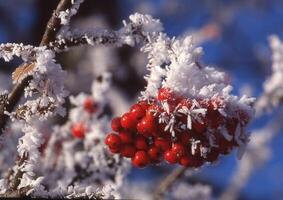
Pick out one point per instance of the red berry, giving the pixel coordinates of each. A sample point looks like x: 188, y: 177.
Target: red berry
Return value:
x: 78, y: 130
x: 128, y: 151
x: 154, y: 153
x: 185, y: 138
x: 162, y: 143
x: 114, y: 149
x: 190, y: 161
x: 186, y: 103
x: 141, y: 159
x: 141, y: 142
x: 115, y: 124
x: 128, y: 122
x: 113, y: 141
x: 126, y: 137
x: 147, y: 126
x: 212, y: 155
x: 178, y: 149
x: 137, y: 112
x: 165, y: 94
x: 89, y: 105
x: 143, y: 104
x: 170, y: 157
x: 198, y: 126
x: 185, y: 161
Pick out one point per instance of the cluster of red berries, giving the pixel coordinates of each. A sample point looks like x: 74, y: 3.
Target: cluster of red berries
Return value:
x: 177, y: 130
x: 79, y: 128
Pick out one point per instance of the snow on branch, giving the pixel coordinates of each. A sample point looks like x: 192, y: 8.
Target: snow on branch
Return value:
x: 272, y: 96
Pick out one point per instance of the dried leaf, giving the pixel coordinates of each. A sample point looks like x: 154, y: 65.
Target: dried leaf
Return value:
x: 22, y: 71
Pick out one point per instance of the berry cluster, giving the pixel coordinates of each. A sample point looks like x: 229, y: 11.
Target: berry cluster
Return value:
x: 178, y: 130
x: 79, y: 128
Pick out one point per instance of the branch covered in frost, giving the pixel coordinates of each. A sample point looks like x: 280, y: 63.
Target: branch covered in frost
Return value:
x: 53, y: 26
x: 272, y: 96
x: 141, y: 28
x: 60, y: 17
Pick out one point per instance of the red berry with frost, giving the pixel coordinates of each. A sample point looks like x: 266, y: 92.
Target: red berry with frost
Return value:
x: 141, y: 142
x: 128, y: 151
x: 89, y: 105
x: 140, y: 159
x: 143, y: 104
x: 126, y: 137
x: 113, y: 141
x: 137, y: 112
x: 78, y: 130
x: 162, y: 143
x: 165, y: 94
x: 178, y: 149
x: 116, y: 124
x: 170, y: 157
x: 128, y: 122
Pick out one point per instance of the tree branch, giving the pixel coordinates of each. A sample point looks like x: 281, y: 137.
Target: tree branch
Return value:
x: 53, y: 26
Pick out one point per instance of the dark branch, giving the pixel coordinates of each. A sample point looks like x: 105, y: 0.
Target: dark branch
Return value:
x: 54, y: 23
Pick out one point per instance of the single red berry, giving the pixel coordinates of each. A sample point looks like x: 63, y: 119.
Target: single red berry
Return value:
x: 113, y: 141
x: 78, y: 130
x: 126, y: 137
x: 116, y: 125
x: 137, y: 112
x: 147, y: 126
x: 178, y: 149
x: 170, y: 157
x: 89, y: 105
x: 128, y: 151
x: 162, y: 143
x: 141, y: 159
x: 128, y: 122
x: 154, y: 153
x: 141, y: 142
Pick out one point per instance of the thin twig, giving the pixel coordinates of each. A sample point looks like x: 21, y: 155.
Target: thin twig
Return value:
x: 168, y: 182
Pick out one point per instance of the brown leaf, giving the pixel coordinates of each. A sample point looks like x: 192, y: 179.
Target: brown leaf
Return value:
x: 22, y: 71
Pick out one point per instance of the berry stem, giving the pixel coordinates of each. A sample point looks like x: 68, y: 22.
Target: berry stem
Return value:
x: 169, y: 181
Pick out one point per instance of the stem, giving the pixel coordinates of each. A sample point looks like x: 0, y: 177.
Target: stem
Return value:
x: 168, y: 182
